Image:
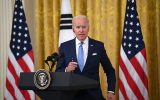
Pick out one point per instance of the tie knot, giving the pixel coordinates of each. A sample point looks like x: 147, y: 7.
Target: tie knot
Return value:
x: 81, y: 43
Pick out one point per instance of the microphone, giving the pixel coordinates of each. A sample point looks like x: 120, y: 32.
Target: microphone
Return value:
x: 54, y: 57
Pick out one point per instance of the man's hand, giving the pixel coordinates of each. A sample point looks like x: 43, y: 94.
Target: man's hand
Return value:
x: 111, y: 96
x: 71, y: 66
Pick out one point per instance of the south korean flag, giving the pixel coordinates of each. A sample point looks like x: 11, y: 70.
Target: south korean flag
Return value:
x: 66, y: 32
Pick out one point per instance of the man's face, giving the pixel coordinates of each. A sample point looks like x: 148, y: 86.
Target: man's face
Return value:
x: 81, y: 28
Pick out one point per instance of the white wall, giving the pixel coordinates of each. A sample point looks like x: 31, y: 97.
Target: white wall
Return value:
x: 6, y: 13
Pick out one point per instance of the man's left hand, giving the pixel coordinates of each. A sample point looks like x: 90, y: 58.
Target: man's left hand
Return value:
x: 111, y: 96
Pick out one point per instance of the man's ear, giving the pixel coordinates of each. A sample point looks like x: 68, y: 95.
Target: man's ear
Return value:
x: 73, y: 29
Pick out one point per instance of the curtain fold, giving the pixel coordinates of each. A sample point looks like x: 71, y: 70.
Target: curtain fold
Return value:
x: 106, y: 24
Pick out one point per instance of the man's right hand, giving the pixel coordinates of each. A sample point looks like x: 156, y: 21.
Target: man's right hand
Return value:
x: 71, y: 67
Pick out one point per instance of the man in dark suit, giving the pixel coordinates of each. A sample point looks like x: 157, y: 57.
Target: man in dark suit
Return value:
x: 83, y: 56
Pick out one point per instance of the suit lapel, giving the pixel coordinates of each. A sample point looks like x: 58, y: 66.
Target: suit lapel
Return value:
x: 73, y: 51
x: 90, y: 51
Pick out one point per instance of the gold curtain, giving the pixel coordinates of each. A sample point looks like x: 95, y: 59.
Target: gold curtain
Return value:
x: 106, y: 24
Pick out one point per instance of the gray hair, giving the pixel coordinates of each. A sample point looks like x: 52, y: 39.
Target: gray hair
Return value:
x: 80, y: 17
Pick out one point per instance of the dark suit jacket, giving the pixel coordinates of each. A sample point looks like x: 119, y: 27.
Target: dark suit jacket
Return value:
x: 96, y: 55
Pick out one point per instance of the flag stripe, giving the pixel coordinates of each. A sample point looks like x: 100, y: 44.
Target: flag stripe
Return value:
x: 65, y: 21
x: 129, y: 91
x: 30, y: 53
x: 31, y: 95
x: 135, y: 77
x: 144, y: 56
x: 12, y: 82
x: 11, y: 89
x: 8, y: 95
x: 14, y: 62
x: 121, y: 96
x: 123, y: 91
x: 23, y: 65
x: 142, y: 61
x: 16, y: 77
x: 139, y: 71
x: 13, y: 72
x: 29, y: 63
x: 66, y: 27
x: 26, y: 94
x: 66, y: 15
x: 130, y: 81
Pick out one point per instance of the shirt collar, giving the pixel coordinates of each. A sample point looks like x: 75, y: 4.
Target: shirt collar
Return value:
x: 85, y: 41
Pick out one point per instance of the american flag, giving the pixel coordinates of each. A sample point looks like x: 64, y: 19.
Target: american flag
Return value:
x: 20, y: 56
x: 66, y: 32
x: 133, y: 72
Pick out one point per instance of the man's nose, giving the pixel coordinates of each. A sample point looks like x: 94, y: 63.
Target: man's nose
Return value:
x: 81, y: 29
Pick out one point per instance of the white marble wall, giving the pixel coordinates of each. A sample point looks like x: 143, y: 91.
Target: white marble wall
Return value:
x: 6, y: 13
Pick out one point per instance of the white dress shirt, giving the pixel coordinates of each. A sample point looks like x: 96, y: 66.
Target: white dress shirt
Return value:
x: 85, y: 48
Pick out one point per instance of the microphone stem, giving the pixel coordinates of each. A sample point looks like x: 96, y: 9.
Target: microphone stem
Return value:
x: 53, y: 63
